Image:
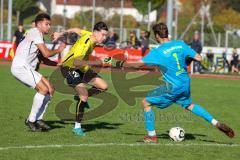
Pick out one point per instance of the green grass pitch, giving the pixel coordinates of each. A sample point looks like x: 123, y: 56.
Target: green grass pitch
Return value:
x: 115, y: 135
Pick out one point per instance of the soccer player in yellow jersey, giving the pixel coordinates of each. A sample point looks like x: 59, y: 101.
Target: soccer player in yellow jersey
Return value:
x: 76, y: 69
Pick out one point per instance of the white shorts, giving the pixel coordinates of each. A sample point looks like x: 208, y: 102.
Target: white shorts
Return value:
x: 26, y: 75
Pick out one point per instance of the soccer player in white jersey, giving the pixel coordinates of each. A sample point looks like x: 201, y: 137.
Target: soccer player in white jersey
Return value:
x: 23, y: 68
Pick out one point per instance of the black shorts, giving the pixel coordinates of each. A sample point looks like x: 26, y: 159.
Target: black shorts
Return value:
x: 234, y: 63
x: 75, y: 76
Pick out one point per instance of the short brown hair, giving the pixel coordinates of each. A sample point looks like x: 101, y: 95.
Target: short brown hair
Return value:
x: 160, y: 29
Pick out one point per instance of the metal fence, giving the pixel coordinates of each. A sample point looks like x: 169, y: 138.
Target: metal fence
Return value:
x: 26, y: 27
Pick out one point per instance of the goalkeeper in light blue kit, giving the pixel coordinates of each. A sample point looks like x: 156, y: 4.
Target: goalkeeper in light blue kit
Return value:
x: 171, y: 58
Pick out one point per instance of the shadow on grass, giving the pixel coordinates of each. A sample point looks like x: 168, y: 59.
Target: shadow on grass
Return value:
x: 56, y: 124
x: 88, y: 127
x: 188, y: 137
x: 100, y: 125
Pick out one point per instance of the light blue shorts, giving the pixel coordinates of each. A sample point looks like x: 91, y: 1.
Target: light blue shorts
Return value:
x: 163, y: 98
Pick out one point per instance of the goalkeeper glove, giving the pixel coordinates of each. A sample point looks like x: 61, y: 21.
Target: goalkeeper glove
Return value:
x: 117, y: 63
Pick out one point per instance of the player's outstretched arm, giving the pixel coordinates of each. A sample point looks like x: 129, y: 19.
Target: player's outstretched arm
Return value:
x: 56, y: 35
x: 80, y: 63
x: 48, y: 53
x: 189, y: 60
x: 133, y: 64
x: 127, y: 64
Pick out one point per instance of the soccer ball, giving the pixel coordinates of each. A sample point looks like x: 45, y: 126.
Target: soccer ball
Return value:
x: 177, y: 134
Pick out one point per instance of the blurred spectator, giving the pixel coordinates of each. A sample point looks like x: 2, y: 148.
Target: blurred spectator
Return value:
x: 18, y: 35
x: 210, y: 58
x: 234, y: 61
x: 135, y: 43
x: 32, y: 26
x: 144, y: 41
x: 197, y: 46
x: 112, y: 38
x: 225, y: 61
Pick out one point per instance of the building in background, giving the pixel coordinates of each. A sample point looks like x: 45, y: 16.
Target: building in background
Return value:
x: 106, y: 7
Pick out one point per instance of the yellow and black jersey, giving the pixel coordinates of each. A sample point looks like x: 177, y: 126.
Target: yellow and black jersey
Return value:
x: 80, y: 50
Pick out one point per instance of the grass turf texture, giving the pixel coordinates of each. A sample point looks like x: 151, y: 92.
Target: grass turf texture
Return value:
x: 115, y: 135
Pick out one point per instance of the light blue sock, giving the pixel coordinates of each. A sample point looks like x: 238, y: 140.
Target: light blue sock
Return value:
x: 200, y: 111
x: 149, y: 120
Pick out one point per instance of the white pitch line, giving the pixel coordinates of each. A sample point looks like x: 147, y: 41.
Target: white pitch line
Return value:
x: 116, y: 144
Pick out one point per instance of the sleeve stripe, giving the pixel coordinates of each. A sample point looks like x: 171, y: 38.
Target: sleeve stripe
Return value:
x: 86, y: 41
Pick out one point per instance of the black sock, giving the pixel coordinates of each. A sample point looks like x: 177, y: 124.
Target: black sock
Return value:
x: 80, y: 110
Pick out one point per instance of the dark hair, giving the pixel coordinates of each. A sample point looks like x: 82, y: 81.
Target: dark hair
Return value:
x: 160, y: 29
x: 133, y: 32
x: 100, y: 26
x: 41, y: 17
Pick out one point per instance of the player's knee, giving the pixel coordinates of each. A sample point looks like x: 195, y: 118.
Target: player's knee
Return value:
x: 45, y: 91
x: 42, y: 89
x: 190, y: 107
x: 104, y: 87
x: 145, y: 104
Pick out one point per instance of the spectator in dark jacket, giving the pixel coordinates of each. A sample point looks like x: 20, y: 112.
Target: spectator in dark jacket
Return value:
x: 144, y: 41
x: 234, y: 62
x: 210, y: 59
x: 197, y: 46
x: 19, y: 34
x: 225, y: 61
x: 112, y: 38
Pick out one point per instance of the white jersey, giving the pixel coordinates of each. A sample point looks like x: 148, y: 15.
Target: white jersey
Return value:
x: 26, y: 53
x: 25, y: 60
